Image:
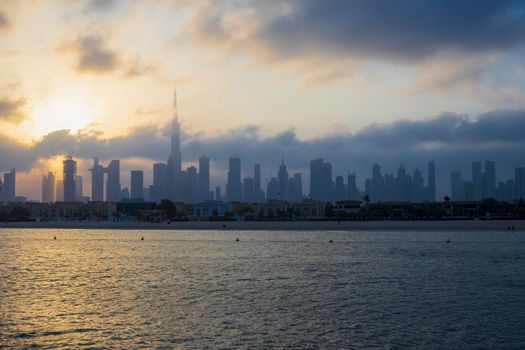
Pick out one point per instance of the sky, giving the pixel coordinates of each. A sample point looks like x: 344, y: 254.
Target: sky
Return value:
x: 353, y: 82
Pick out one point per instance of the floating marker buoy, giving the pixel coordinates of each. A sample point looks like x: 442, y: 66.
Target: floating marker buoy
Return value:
x: 237, y: 240
x: 331, y: 241
x: 142, y: 239
x: 55, y: 237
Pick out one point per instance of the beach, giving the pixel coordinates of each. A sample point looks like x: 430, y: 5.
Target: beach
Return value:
x: 447, y: 225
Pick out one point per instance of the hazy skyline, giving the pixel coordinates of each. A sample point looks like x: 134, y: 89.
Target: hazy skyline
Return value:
x: 309, y: 79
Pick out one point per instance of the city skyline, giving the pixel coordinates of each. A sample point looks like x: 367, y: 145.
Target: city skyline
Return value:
x: 251, y: 88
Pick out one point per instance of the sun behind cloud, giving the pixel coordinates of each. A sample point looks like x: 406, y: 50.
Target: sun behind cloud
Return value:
x: 65, y: 111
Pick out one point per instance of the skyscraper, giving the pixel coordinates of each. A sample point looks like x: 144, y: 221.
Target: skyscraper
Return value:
x: 431, y: 188
x: 489, y: 190
x: 353, y: 191
x: 79, y: 187
x: 174, y: 165
x: 160, y: 181
x: 477, y: 180
x: 70, y: 173
x: 113, y: 190
x: 204, y: 178
x: 97, y: 182
x: 316, y: 179
x: 234, y: 186
x: 248, y: 190
x: 258, y: 192
x: 295, y: 188
x: 8, y: 193
x: 137, y: 184
x: 340, y: 193
x: 48, y: 188
x: 378, y: 184
x: 519, y: 183
x: 455, y: 186
x: 282, y: 177
x: 418, y: 186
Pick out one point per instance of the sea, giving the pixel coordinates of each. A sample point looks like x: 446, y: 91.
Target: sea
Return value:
x: 105, y: 289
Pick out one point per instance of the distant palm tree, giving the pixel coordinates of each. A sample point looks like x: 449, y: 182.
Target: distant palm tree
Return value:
x: 446, y: 199
x: 366, y: 198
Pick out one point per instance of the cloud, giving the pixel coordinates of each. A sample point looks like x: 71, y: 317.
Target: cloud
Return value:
x: 12, y: 110
x: 94, y: 56
x: 453, y: 140
x: 101, y: 5
x: 4, y: 22
x: 383, y: 29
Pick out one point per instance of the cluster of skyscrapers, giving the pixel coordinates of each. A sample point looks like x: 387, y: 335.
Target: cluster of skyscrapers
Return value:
x: 483, y: 184
x: 192, y: 185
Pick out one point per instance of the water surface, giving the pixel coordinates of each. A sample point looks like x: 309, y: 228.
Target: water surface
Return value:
x: 202, y: 289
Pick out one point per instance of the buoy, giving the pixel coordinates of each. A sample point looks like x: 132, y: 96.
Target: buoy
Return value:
x: 55, y: 237
x: 448, y: 240
x: 237, y: 239
x: 331, y: 241
x: 142, y: 239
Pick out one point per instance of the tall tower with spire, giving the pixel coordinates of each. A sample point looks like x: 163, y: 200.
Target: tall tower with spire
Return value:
x: 175, y: 159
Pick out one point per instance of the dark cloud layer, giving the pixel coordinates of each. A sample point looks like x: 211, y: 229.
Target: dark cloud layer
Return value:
x: 12, y: 110
x: 406, y: 29
x: 453, y: 140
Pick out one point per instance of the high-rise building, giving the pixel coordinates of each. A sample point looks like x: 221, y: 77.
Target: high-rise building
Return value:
x: 259, y: 193
x: 218, y: 193
x: 489, y: 183
x: 48, y: 188
x: 248, y: 190
x: 283, y: 182
x: 158, y: 190
x: 8, y: 193
x: 174, y: 165
x: 137, y: 184
x: 340, y: 193
x: 431, y: 188
x: 234, y: 186
x: 455, y: 186
x: 418, y: 186
x: 378, y: 184
x: 204, y: 178
x: 477, y: 180
x: 70, y: 173
x: 272, y: 189
x: 316, y: 179
x: 79, y: 187
x: 519, y: 183
x: 190, y: 183
x: 328, y: 183
x: 59, y: 191
x: 295, y: 188
x: 113, y: 189
x: 353, y: 191
x: 97, y: 182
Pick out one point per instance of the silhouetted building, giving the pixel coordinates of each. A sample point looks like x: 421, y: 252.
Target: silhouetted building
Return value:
x: 477, y: 180
x: 113, y: 189
x: 174, y: 165
x: 248, y: 190
x: 159, y: 189
x: 70, y: 173
x: 418, y: 187
x: 455, y: 186
x: 204, y: 178
x: 97, y: 182
x: 340, y: 193
x: 48, y: 188
x: 353, y: 191
x: 79, y: 187
x: 519, y: 183
x: 258, y: 192
x: 283, y: 182
x: 137, y: 184
x: 295, y: 188
x: 234, y: 186
x: 489, y: 183
x: 8, y: 192
x: 272, y: 189
x: 431, y: 187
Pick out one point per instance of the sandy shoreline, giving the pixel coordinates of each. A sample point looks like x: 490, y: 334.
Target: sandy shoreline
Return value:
x: 495, y: 225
